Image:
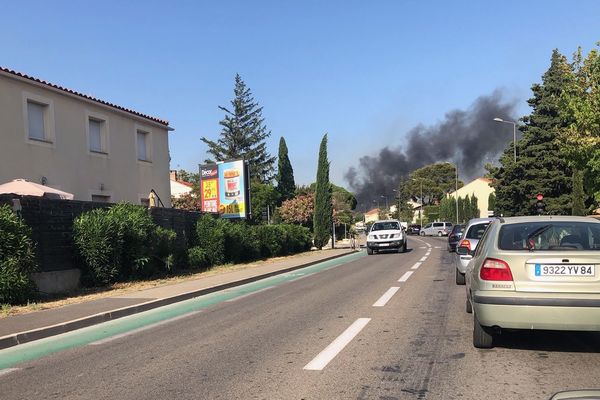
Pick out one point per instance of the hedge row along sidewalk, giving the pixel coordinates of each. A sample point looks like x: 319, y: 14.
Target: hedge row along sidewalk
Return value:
x: 24, y: 328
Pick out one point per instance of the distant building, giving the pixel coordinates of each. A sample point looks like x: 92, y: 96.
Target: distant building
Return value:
x: 481, y: 188
x: 79, y: 144
x: 372, y: 215
x: 179, y: 187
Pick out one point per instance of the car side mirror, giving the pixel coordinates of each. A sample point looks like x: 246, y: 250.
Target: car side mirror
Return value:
x: 462, y: 251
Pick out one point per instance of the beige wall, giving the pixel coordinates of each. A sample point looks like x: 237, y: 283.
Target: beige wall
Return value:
x: 482, y: 189
x: 66, y: 162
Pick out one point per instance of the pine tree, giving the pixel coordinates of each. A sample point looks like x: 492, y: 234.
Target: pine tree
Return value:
x: 323, y: 205
x: 578, y: 195
x: 243, y: 134
x: 539, y: 167
x: 286, y: 186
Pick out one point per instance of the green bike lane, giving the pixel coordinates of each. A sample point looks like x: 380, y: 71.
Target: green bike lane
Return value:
x: 12, y: 357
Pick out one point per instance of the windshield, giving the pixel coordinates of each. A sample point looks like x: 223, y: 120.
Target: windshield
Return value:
x: 384, y: 226
x: 550, y: 235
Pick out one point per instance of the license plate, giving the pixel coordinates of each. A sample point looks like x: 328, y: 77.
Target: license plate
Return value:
x: 383, y: 244
x: 565, y: 270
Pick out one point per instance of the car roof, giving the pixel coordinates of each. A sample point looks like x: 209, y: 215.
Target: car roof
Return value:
x: 479, y: 220
x: 542, y: 218
x: 386, y: 220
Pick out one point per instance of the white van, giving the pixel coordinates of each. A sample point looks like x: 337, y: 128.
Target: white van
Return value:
x: 436, y: 229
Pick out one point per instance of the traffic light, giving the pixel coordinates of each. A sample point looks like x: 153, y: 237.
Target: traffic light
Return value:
x: 540, y: 205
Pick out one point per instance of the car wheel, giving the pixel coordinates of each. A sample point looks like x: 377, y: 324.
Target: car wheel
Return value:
x: 460, y: 278
x: 422, y: 233
x: 369, y: 251
x: 440, y: 234
x: 402, y: 248
x: 483, y: 337
x: 468, y: 307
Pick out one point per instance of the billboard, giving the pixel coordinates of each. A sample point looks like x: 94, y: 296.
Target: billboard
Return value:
x: 224, y: 188
x: 209, y: 188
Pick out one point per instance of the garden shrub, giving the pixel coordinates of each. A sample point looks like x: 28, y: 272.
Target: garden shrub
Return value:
x: 122, y: 242
x: 17, y: 258
x: 197, y: 258
x: 241, y: 242
x: 211, y: 238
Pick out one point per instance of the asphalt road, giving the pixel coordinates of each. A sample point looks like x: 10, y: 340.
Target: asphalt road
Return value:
x: 349, y: 332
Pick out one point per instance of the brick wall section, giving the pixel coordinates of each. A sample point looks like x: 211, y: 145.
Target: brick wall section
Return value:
x: 51, y: 222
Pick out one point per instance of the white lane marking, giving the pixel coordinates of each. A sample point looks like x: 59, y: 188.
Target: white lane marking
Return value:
x: 428, y: 252
x: 417, y: 265
x: 423, y: 259
x: 143, y: 328
x: 329, y: 353
x: 250, y: 294
x: 7, y: 371
x: 405, y: 277
x: 386, y: 297
x: 438, y: 247
x: 422, y: 247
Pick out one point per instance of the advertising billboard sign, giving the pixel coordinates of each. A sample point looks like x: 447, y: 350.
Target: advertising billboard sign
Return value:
x: 209, y: 188
x: 224, y: 189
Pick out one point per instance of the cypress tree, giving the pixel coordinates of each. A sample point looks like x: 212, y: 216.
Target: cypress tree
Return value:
x: 474, y: 206
x: 285, y: 173
x: 578, y: 194
x: 539, y: 167
x: 243, y: 134
x: 492, y: 202
x: 323, y: 207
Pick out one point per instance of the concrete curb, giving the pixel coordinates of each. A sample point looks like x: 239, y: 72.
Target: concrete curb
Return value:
x: 63, y: 327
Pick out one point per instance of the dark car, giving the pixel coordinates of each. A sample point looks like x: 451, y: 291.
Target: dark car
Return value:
x: 414, y: 229
x: 454, y: 237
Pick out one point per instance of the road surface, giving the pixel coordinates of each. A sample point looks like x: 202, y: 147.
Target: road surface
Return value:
x: 387, y: 326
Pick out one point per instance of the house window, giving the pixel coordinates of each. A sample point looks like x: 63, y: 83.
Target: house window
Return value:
x: 96, y: 130
x: 145, y: 202
x: 142, y: 146
x: 36, y: 114
x: 98, y: 198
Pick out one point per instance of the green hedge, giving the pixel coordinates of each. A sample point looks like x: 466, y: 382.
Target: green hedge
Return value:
x: 221, y: 241
x: 121, y: 243
x: 17, y: 258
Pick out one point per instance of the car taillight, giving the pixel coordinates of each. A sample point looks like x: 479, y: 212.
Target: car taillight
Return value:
x: 465, y: 243
x: 495, y: 270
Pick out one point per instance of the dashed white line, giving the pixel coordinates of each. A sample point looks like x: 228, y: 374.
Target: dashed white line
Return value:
x: 143, y: 328
x: 417, y: 265
x: 423, y: 258
x: 405, y: 277
x: 7, y: 371
x: 386, y: 297
x: 422, y: 247
x: 438, y: 247
x: 329, y: 353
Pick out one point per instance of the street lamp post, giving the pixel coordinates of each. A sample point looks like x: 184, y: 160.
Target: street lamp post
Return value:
x: 420, y: 201
x: 386, y: 201
x: 514, y: 124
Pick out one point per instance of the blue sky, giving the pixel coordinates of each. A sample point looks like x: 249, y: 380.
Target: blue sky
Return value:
x: 365, y: 72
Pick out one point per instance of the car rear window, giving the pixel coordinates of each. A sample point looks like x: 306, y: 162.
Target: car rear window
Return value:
x: 382, y: 226
x: 476, y: 231
x: 550, y: 235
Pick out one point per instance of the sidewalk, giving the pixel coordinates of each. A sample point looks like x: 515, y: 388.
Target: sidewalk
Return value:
x: 36, y: 325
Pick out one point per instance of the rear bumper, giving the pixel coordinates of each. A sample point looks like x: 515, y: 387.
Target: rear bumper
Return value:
x: 561, y: 311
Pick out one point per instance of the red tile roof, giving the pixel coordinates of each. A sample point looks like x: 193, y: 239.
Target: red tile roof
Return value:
x: 106, y: 103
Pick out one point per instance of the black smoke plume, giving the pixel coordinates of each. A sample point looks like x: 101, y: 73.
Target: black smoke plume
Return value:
x: 469, y: 138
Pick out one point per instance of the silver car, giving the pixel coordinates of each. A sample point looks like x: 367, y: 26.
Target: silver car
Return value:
x: 436, y: 229
x: 535, y: 273
x: 472, y: 233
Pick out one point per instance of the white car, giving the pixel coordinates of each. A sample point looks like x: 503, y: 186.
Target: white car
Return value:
x: 386, y: 235
x: 436, y: 229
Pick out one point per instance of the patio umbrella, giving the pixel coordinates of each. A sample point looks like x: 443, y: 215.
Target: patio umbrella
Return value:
x: 25, y: 188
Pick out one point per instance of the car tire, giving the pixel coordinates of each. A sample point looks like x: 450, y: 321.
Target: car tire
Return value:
x: 468, y: 306
x: 440, y: 234
x: 369, y: 251
x: 422, y: 233
x: 483, y: 338
x: 460, y: 278
x: 402, y: 248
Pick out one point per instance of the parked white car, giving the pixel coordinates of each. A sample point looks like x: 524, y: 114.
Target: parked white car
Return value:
x: 436, y: 229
